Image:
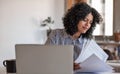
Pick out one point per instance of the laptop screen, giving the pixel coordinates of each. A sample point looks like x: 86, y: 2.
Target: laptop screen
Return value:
x: 44, y: 59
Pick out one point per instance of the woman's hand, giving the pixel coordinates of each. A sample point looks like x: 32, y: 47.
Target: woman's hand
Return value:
x: 76, y: 66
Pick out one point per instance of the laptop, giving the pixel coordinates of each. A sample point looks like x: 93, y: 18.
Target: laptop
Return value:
x: 44, y: 59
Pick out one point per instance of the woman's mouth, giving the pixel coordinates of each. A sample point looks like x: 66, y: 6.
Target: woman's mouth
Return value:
x: 85, y: 28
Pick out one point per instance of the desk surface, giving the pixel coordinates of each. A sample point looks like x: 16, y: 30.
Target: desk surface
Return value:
x: 98, y: 73
x: 87, y: 73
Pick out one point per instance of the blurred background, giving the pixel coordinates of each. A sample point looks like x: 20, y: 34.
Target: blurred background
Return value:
x: 20, y: 23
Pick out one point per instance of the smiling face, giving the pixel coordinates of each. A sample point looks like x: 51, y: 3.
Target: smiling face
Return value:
x: 85, y: 24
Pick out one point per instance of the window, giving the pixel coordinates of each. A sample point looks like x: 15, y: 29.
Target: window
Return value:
x: 105, y: 8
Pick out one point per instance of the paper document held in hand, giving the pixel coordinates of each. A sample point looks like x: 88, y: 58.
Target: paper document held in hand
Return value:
x: 94, y: 64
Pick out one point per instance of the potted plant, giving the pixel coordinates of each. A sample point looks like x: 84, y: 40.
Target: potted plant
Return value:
x: 47, y: 22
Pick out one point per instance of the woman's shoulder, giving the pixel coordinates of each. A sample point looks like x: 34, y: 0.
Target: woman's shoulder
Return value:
x: 57, y: 32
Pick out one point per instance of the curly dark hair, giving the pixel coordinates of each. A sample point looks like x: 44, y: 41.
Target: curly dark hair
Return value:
x: 78, y: 12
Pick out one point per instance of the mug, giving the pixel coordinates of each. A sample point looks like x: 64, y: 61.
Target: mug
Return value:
x: 10, y: 65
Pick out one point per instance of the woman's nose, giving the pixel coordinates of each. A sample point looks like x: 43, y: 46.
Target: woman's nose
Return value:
x: 87, y: 24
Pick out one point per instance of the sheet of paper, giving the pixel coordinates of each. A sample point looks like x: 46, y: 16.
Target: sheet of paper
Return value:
x: 94, y: 64
x: 89, y: 49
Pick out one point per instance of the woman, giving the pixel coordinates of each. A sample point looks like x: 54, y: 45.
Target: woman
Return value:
x: 79, y: 23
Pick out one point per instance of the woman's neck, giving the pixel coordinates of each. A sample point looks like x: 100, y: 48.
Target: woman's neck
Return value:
x: 76, y: 35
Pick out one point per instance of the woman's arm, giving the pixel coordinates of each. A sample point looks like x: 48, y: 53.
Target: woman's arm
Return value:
x: 51, y: 40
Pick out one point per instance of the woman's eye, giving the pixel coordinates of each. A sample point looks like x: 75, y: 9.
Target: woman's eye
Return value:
x: 85, y: 20
x: 90, y: 22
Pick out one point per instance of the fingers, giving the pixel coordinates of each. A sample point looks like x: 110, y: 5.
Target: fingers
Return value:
x: 76, y: 66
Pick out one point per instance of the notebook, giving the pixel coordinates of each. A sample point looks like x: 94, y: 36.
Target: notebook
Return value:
x: 44, y: 59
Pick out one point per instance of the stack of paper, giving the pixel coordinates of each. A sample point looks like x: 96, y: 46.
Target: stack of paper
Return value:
x: 94, y: 64
x: 89, y: 49
x: 92, y: 59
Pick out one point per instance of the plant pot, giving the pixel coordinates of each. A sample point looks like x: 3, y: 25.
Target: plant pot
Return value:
x: 117, y: 37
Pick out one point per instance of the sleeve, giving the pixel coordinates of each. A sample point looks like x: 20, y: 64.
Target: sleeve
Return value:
x: 51, y: 40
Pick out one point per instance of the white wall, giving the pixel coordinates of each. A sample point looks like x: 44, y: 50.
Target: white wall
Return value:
x: 20, y: 20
